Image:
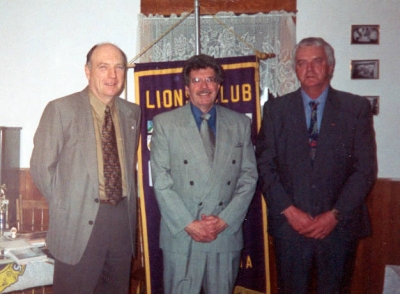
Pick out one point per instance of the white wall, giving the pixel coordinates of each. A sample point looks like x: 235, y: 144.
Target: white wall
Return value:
x: 43, y: 45
x: 332, y: 20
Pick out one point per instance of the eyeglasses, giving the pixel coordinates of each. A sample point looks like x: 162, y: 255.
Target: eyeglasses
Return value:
x: 198, y: 81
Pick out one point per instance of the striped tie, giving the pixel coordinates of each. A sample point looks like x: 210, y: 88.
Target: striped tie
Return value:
x: 313, y: 130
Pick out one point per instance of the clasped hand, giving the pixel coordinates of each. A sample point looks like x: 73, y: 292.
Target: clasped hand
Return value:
x: 318, y: 227
x: 207, y: 229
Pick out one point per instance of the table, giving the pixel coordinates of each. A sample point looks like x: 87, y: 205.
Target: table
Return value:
x: 14, y: 277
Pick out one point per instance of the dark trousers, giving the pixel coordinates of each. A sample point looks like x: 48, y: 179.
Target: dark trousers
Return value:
x: 105, y: 265
x: 331, y: 259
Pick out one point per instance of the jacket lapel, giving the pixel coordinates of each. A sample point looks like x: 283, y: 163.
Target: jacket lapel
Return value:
x: 128, y: 124
x: 329, y: 127
x: 87, y: 137
x: 191, y: 142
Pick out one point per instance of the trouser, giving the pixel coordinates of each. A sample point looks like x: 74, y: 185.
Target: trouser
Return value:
x: 210, y: 271
x: 331, y: 258
x: 105, y: 265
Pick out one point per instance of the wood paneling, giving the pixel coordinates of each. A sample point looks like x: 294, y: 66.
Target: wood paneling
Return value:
x: 383, y: 247
x: 27, y: 188
x: 168, y: 7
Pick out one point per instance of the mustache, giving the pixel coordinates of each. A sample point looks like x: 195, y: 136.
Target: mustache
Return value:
x: 204, y: 92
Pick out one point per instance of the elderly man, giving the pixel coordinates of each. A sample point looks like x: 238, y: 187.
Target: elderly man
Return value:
x: 316, y: 157
x: 83, y: 163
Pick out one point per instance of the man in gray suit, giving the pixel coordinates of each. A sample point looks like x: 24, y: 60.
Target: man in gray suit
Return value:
x: 203, y: 192
x: 91, y: 234
x: 316, y: 156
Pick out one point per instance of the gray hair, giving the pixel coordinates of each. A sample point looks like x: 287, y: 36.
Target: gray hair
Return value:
x: 318, y: 42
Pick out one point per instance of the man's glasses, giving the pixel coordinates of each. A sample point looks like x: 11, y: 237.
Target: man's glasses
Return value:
x: 198, y: 81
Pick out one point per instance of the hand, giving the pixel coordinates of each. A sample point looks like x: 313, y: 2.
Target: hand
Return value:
x: 322, y: 226
x: 200, y: 232
x: 299, y: 220
x: 215, y: 224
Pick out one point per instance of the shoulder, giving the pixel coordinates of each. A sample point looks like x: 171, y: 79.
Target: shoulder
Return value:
x: 230, y: 114
x: 281, y: 103
x: 348, y: 102
x: 127, y: 104
x: 173, y: 114
x: 70, y: 102
x: 347, y: 97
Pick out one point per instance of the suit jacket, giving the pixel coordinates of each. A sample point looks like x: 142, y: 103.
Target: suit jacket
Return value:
x: 344, y: 169
x: 186, y: 186
x: 64, y: 168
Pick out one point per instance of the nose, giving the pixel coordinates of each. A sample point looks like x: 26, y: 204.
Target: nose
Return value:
x: 310, y: 66
x: 204, y: 84
x: 112, y: 73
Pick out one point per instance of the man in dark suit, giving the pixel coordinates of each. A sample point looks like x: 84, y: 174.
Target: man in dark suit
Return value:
x: 203, y: 196
x: 92, y: 214
x: 316, y: 156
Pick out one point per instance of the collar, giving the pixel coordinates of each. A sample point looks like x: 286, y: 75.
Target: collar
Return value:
x: 197, y: 114
x: 321, y: 99
x: 98, y: 106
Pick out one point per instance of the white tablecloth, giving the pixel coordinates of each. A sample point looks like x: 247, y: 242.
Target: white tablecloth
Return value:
x: 14, y: 277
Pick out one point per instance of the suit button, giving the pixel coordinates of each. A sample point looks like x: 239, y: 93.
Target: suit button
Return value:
x: 221, y: 203
x: 185, y: 162
x: 201, y: 203
x: 191, y: 183
x: 233, y: 161
x: 229, y: 182
x: 90, y: 222
x: 97, y: 200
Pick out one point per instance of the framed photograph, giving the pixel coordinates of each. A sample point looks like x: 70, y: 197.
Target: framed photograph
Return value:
x: 374, y: 100
x: 365, y: 34
x: 365, y: 69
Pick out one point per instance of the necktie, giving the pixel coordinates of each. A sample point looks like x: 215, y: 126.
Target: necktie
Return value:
x: 112, y: 168
x: 208, y: 137
x: 313, y: 130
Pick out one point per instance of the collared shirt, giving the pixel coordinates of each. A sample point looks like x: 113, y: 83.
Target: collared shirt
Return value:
x: 321, y: 104
x: 212, y: 121
x: 98, y: 109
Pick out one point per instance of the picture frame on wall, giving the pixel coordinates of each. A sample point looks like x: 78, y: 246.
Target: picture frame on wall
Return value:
x: 365, y: 69
x: 365, y: 34
x: 374, y: 100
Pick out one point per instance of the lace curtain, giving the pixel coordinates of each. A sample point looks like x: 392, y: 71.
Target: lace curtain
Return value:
x: 270, y: 33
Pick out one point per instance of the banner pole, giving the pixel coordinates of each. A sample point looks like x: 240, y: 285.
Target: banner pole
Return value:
x: 197, y: 21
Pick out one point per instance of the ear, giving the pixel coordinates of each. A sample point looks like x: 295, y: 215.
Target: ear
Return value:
x: 331, y: 70
x: 87, y: 72
x: 186, y: 91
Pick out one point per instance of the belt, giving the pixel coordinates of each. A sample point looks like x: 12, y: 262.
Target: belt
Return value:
x: 111, y: 201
